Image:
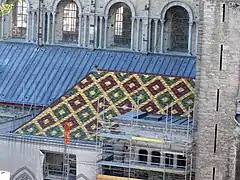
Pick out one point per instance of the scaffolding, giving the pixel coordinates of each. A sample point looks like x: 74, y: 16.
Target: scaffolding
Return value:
x: 145, y: 146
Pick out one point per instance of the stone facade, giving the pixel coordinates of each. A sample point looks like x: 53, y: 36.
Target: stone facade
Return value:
x: 149, y: 26
x: 217, y: 90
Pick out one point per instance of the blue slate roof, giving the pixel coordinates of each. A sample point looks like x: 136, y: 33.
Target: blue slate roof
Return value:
x: 38, y: 76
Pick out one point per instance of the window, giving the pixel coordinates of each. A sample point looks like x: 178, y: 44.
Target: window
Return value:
x: 168, y: 160
x: 119, y: 22
x: 120, y: 25
x: 70, y: 22
x: 22, y: 14
x: 177, y: 24
x: 181, y: 161
x: 143, y: 155
x: 156, y: 157
x: 53, y: 165
x: 19, y: 19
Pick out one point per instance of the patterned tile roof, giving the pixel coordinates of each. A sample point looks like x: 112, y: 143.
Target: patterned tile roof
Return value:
x: 110, y: 94
x: 39, y: 76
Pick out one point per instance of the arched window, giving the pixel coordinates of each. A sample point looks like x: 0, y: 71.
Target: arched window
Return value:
x: 156, y: 157
x: 143, y: 155
x: 119, y: 25
x: 177, y: 23
x: 19, y: 19
x: 70, y: 23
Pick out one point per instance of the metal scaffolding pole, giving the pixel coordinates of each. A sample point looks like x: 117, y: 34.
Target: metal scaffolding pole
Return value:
x: 65, y: 163
x: 186, y: 166
x: 191, y: 167
x: 130, y: 153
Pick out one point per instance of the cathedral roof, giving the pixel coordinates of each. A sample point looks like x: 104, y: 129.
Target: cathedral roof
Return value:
x: 39, y: 76
x: 107, y: 94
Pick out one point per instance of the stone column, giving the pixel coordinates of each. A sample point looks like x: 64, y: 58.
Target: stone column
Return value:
x: 162, y: 35
x: 190, y: 37
x: 43, y: 28
x: 155, y: 34
x: 9, y: 26
x: 100, y: 32
x: 3, y: 26
x: 33, y: 26
x: 96, y: 32
x: 145, y: 37
x: 53, y: 27
x: 91, y: 32
x: 137, y: 40
x: 132, y: 34
x: 149, y: 34
x: 85, y: 31
x: 27, y: 27
x: 48, y: 27
x: 80, y: 31
x: 196, y: 40
x: 105, y: 32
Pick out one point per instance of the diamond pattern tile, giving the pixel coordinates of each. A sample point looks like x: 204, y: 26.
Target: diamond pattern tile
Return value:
x: 45, y: 121
x: 77, y: 102
x: 109, y: 94
x: 61, y: 111
x: 54, y: 132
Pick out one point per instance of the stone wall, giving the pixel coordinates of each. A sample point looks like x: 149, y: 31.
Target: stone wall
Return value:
x: 217, y: 88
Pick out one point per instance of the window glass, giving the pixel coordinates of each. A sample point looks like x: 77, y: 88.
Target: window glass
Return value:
x: 70, y: 23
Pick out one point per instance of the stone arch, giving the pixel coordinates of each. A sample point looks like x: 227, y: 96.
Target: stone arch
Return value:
x: 56, y: 2
x: 81, y: 177
x: 23, y: 172
x: 177, y: 3
x: 112, y: 2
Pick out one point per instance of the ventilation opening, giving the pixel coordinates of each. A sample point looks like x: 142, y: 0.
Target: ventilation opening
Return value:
x: 220, y: 61
x: 213, y: 175
x: 215, y: 139
x: 217, y: 103
x: 223, y: 17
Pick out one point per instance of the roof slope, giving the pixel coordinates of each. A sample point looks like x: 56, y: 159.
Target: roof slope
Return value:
x: 109, y: 94
x: 39, y: 76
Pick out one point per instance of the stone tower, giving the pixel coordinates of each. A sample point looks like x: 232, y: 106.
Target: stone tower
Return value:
x: 217, y: 90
